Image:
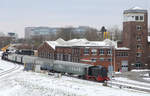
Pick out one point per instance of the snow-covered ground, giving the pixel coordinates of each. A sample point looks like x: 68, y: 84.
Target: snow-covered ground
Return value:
x: 5, y: 65
x: 139, y: 70
x: 22, y: 83
x: 38, y: 84
x: 132, y: 83
x: 146, y: 77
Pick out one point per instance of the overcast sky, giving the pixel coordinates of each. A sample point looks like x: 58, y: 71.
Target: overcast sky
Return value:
x: 17, y: 14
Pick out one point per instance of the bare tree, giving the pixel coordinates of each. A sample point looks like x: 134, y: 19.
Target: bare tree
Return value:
x: 4, y: 41
x: 115, y: 33
x: 91, y: 34
x: 67, y: 33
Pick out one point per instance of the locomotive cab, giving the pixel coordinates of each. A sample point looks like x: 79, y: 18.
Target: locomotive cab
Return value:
x: 97, y: 73
x: 4, y: 55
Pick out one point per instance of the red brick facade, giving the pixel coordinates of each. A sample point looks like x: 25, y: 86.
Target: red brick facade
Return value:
x: 46, y: 51
x: 89, y: 55
x: 135, y: 37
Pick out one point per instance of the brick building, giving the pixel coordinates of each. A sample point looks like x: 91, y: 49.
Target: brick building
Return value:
x: 135, y: 37
x: 133, y: 52
x: 104, y: 53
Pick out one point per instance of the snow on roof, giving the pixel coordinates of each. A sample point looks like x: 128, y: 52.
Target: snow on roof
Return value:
x: 136, y: 8
x: 148, y: 38
x: 84, y: 42
x: 78, y: 40
x: 122, y: 48
x: 53, y: 44
x: 60, y: 40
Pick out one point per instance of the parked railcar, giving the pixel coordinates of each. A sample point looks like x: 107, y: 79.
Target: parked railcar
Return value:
x: 25, y: 52
x: 29, y: 59
x: 19, y: 59
x: 85, y: 71
x: 12, y: 57
x: 46, y: 64
x: 70, y: 67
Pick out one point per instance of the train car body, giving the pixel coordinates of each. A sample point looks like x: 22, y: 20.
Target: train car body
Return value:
x: 70, y: 67
x: 46, y: 64
x: 25, y: 52
x: 12, y: 57
x: 85, y: 71
x: 29, y: 59
x: 19, y: 59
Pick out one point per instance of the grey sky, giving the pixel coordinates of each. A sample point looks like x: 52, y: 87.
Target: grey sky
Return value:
x: 17, y: 14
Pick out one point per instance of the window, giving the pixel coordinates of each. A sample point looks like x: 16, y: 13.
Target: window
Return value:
x: 138, y: 54
x: 109, y: 52
x: 93, y: 51
x: 138, y: 38
x: 139, y: 28
x: 139, y: 46
x: 110, y: 59
x: 122, y: 54
x: 101, y: 59
x: 138, y: 65
x: 93, y: 59
x: 101, y: 52
x: 86, y: 51
x: 141, y: 18
x: 136, y: 17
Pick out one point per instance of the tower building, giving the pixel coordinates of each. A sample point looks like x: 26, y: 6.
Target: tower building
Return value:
x: 135, y: 37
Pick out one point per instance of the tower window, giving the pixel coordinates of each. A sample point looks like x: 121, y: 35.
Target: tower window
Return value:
x: 139, y: 46
x: 139, y: 27
x: 136, y: 17
x: 138, y: 38
x: 141, y: 18
x: 139, y: 54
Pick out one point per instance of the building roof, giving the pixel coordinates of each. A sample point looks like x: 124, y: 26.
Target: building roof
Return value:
x: 84, y: 42
x: 53, y: 44
x: 135, y: 10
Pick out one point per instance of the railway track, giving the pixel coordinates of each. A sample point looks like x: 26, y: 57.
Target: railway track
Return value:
x: 129, y: 85
x: 16, y: 67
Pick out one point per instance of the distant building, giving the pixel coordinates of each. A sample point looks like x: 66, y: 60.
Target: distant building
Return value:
x: 81, y: 29
x: 39, y: 31
x: 46, y: 31
x: 13, y: 35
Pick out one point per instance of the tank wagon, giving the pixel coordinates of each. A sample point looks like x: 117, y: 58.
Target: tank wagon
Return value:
x: 84, y: 71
